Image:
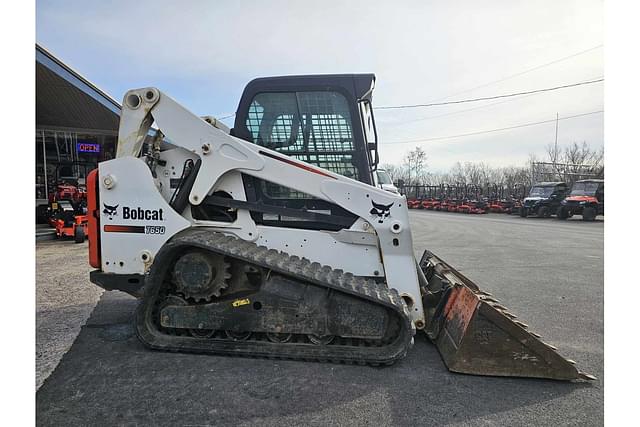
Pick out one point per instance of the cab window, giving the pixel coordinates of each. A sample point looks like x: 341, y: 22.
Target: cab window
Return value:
x: 314, y: 127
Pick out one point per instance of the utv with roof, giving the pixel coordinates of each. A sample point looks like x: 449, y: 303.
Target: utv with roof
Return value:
x: 586, y: 199
x: 544, y: 199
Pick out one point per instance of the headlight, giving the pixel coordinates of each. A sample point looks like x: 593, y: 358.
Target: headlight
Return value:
x: 583, y: 202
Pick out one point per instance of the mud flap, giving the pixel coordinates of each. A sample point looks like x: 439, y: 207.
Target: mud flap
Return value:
x: 476, y: 335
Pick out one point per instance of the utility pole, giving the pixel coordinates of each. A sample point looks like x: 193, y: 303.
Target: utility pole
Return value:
x: 555, y: 149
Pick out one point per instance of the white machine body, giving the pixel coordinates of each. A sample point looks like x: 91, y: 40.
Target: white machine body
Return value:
x: 136, y: 218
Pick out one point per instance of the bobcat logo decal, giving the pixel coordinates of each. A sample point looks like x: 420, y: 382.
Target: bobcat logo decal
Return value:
x: 110, y: 210
x: 382, y: 211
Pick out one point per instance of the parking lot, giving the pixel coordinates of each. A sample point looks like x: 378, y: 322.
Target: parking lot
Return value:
x: 548, y: 272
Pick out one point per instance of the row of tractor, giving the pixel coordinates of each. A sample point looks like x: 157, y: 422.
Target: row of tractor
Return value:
x: 461, y: 198
x: 468, y: 206
x: 545, y: 199
x: 449, y: 205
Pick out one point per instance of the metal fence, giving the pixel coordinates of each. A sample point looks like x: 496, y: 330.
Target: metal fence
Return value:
x: 464, y: 191
x: 564, y: 172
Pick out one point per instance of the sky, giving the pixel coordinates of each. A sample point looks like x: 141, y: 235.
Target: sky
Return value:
x: 202, y: 53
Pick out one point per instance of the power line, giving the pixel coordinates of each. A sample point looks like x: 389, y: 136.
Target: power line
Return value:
x: 452, y: 113
x: 499, y: 80
x: 487, y: 98
x: 438, y: 138
x: 522, y: 72
x: 395, y: 123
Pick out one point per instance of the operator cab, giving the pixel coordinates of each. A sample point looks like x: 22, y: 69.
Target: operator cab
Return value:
x: 324, y: 120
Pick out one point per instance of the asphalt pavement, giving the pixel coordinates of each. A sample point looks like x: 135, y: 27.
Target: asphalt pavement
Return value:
x: 64, y: 301
x: 548, y: 272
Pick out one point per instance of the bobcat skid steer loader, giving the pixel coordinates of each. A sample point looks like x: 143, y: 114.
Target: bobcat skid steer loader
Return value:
x: 271, y: 240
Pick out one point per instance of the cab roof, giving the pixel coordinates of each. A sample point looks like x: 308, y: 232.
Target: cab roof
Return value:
x: 359, y: 85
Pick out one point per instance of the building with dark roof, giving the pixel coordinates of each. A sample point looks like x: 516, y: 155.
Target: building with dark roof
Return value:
x: 76, y: 125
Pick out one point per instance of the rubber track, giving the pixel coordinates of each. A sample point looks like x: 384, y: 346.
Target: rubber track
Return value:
x: 298, y: 268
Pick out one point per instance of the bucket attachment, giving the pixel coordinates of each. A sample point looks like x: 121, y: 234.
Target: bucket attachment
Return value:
x: 476, y: 335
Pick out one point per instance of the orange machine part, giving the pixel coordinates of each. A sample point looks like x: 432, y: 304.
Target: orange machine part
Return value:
x: 93, y: 213
x: 588, y: 199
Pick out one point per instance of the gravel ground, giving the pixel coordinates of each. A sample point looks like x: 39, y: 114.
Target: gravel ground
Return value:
x: 548, y: 272
x: 64, y: 301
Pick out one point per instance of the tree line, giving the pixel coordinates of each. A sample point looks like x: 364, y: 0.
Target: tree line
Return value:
x: 567, y: 164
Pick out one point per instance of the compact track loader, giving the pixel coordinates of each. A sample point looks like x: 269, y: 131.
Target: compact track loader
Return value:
x: 271, y: 240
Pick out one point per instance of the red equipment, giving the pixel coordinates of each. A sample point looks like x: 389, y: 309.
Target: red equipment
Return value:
x: 464, y: 207
x: 429, y: 203
x: 517, y: 205
x: 413, y: 204
x: 67, y: 212
x: 76, y: 228
x: 67, y: 205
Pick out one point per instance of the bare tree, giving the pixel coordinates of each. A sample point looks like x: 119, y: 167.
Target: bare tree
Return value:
x: 457, y: 174
x: 554, y: 154
x: 416, y: 162
x: 569, y: 163
x: 478, y: 173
